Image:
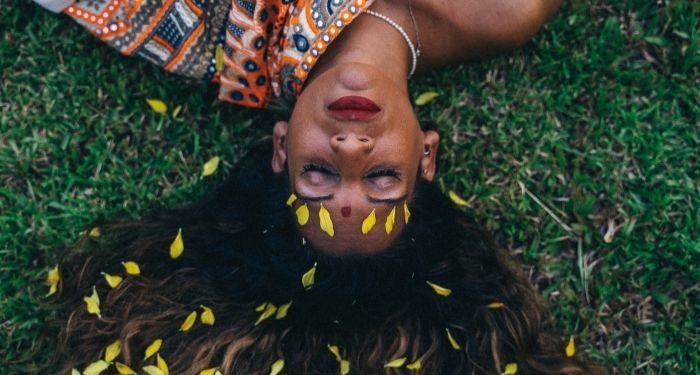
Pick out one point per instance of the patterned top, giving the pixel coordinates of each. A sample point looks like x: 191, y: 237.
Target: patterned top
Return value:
x: 255, y: 49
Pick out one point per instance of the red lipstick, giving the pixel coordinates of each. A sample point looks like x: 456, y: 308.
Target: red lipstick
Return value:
x: 353, y: 108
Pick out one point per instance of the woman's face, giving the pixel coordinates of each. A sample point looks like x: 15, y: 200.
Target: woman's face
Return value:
x: 354, y: 144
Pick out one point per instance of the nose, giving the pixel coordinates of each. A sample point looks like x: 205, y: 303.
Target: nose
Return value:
x: 351, y: 145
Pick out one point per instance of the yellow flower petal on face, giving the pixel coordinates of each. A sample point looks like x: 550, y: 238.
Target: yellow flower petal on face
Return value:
x: 283, y: 310
x: 177, y: 246
x: 210, y: 371
x: 207, y: 316
x: 511, y: 369
x: 453, y: 342
x: 270, y: 310
x: 131, y: 268
x: 152, y: 370
x: 210, y: 166
x: 95, y: 232
x: 176, y: 111
x: 52, y: 280
x: 277, y: 367
x: 124, y: 369
x: 113, y: 350
x: 292, y: 198
x: 74, y: 372
x: 219, y: 57
x: 495, y: 305
x: 112, y: 280
x: 96, y: 368
x: 189, y: 322
x: 406, y: 213
x: 153, y: 348
x: 439, y: 289
x: 571, y: 347
x: 92, y: 303
x: 457, y: 199
x: 390, y: 220
x: 344, y: 367
x: 426, y: 97
x: 309, y: 278
x: 162, y: 365
x: 398, y: 362
x: 302, y: 214
x: 368, y: 222
x: 415, y: 365
x: 324, y: 218
x: 157, y: 105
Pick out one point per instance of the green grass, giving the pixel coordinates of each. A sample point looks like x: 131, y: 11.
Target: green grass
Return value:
x: 597, y: 118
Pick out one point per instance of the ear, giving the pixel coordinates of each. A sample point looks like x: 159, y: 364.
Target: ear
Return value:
x: 431, y: 141
x: 279, y: 147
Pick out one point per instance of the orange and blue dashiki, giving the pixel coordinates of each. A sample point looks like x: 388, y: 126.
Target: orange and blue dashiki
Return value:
x: 266, y: 48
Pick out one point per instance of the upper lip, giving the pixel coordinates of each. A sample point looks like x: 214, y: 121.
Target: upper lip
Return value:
x: 353, y: 108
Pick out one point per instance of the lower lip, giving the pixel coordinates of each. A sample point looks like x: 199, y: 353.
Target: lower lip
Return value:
x: 353, y: 108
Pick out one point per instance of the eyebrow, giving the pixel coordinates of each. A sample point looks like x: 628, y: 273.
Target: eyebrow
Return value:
x: 324, y: 198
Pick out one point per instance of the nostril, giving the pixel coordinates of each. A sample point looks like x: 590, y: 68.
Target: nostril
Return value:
x: 364, y: 140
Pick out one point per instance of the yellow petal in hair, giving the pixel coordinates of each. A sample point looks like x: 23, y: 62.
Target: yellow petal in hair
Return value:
x: 457, y: 199
x: 92, y: 303
x: 52, y: 280
x: 302, y: 214
x: 511, y: 369
x: 309, y: 278
x: 162, y: 365
x: 152, y: 370
x: 207, y: 316
x: 398, y: 362
x: 455, y: 345
x: 157, y: 105
x: 277, y: 367
x: 368, y: 222
x: 74, y: 372
x: 123, y: 369
x: 189, y: 322
x: 95, y: 232
x: 131, y: 268
x: 112, y: 280
x: 415, y: 365
x: 177, y: 246
x: 292, y: 198
x: 113, y: 350
x: 495, y: 305
x: 153, y: 348
x: 210, y: 166
x: 390, y: 220
x: 261, y: 307
x: 336, y: 351
x: 96, y: 368
x: 324, y: 218
x: 210, y: 371
x: 439, y: 289
x: 283, y: 310
x: 344, y: 367
x: 406, y: 213
x: 571, y: 347
x: 219, y: 57
x: 269, y: 311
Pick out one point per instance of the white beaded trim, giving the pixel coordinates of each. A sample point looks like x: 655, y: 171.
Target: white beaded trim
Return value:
x: 414, y: 52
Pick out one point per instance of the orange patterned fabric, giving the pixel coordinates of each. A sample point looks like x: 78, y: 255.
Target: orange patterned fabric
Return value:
x: 255, y: 49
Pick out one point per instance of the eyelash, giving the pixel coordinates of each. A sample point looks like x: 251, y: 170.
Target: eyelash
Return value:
x: 384, y: 172
x: 317, y: 168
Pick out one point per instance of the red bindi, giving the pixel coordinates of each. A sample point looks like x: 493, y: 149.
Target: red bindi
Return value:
x: 345, y: 211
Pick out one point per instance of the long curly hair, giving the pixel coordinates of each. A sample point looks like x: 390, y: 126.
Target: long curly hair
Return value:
x: 243, y: 253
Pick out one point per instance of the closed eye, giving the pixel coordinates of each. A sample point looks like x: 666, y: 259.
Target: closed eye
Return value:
x: 384, y: 172
x: 312, y: 167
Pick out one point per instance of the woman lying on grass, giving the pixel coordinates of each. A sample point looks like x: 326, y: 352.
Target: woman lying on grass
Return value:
x: 256, y: 279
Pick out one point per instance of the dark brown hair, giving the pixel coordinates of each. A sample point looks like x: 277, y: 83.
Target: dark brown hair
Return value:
x: 242, y: 250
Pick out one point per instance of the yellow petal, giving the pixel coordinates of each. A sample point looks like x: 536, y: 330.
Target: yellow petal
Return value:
x: 571, y: 347
x: 398, y: 362
x: 157, y: 105
x: 426, y: 97
x: 96, y: 368
x: 210, y: 166
x: 52, y: 280
x: 511, y: 369
x: 453, y: 342
x: 336, y: 351
x: 457, y: 199
x: 112, y: 280
x: 277, y: 367
x: 390, y: 220
x: 113, y: 350
x: 53, y: 288
x: 131, y: 268
x: 153, y: 348
x: 270, y: 310
x: 210, y: 371
x: 177, y: 246
x: 176, y: 111
x: 189, y: 321
x: 95, y: 232
x: 324, y: 218
x: 309, y: 278
x: 124, y: 369
x: 439, y: 289
x: 303, y: 214
x: 406, y: 212
x: 283, y: 310
x: 74, y: 372
x: 344, y: 367
x: 292, y: 198
x: 495, y: 305
x: 261, y: 307
x: 92, y: 303
x: 162, y: 365
x: 415, y: 365
x: 207, y: 316
x: 219, y: 57
x: 368, y: 222
x: 152, y: 370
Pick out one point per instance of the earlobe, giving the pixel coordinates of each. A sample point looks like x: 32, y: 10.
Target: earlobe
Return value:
x: 279, y: 146
x: 431, y: 142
